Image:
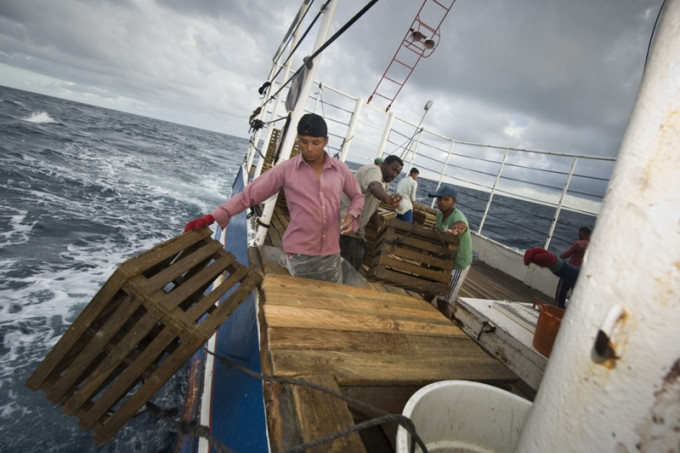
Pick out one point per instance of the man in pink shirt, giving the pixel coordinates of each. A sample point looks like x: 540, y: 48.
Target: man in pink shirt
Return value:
x: 313, y: 183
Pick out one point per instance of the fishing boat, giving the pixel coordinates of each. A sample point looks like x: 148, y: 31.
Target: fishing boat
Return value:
x: 347, y: 341
x: 303, y: 365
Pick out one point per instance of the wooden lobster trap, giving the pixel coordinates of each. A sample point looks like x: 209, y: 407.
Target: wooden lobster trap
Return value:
x: 413, y: 257
x: 147, y: 320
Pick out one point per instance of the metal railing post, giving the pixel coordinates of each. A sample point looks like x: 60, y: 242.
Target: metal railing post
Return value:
x: 386, y: 134
x: 493, y: 191
x: 347, y: 141
x: 441, y: 175
x: 559, y: 204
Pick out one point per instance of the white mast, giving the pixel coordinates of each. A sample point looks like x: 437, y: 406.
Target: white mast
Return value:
x: 628, y: 292
x: 297, y: 113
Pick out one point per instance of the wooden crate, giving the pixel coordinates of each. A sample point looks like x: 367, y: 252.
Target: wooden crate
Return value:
x: 413, y: 257
x: 424, y: 215
x: 146, y: 321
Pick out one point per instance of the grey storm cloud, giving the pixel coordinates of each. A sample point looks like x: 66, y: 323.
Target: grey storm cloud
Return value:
x: 547, y: 74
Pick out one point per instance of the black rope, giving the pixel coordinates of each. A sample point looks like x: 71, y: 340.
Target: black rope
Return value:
x: 325, y: 45
x: 439, y: 236
x: 400, y: 238
x: 651, y: 37
x: 259, y: 151
x: 292, y: 52
x: 383, y: 416
x: 195, y: 430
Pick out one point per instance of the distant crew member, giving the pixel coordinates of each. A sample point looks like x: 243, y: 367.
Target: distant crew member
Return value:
x: 575, y: 254
x: 407, y: 188
x: 373, y: 181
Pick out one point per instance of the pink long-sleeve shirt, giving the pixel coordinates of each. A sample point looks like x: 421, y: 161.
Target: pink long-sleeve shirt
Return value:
x: 314, y: 204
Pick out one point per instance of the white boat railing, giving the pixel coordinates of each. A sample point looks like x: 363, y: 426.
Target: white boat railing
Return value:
x: 360, y: 132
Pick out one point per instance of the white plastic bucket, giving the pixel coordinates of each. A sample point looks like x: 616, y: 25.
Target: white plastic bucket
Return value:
x: 464, y: 416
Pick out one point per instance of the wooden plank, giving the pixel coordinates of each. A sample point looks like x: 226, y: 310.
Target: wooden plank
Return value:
x: 282, y: 422
x: 93, y: 348
x: 354, y: 321
x: 132, y: 405
x: 357, y: 368
x: 199, y: 282
x: 110, y: 364
x: 416, y: 256
x: 99, y: 303
x: 124, y: 383
x: 419, y: 271
x: 396, y: 343
x: 185, y: 264
x: 320, y: 414
x: 300, y: 289
x: 376, y: 309
x: 485, y: 282
x: 425, y: 244
x: 208, y: 302
x: 208, y: 326
x: 415, y: 309
x: 410, y: 282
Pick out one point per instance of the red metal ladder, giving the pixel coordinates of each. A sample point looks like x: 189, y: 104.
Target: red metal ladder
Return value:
x: 420, y: 41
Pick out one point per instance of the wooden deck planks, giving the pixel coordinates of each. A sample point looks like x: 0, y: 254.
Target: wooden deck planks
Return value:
x: 364, y: 337
x: 485, y: 282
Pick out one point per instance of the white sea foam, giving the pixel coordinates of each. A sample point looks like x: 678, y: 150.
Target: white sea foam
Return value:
x: 40, y: 117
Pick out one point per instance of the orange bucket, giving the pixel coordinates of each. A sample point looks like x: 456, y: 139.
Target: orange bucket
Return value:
x: 549, y: 320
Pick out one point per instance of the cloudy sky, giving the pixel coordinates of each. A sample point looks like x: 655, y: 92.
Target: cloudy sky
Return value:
x: 546, y: 74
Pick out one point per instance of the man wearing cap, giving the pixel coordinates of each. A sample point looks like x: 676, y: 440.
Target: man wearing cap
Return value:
x: 373, y: 182
x: 313, y: 183
x: 452, y: 220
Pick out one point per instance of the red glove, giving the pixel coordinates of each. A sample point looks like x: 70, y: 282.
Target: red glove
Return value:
x: 197, y: 224
x: 539, y: 256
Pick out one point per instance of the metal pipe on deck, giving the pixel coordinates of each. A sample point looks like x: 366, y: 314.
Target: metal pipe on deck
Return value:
x: 613, y: 380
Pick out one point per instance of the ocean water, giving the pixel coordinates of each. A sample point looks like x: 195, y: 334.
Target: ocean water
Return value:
x: 82, y: 189
x: 85, y: 188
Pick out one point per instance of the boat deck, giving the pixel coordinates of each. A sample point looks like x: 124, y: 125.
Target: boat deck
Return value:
x: 377, y: 344
x: 485, y: 282
x: 374, y: 346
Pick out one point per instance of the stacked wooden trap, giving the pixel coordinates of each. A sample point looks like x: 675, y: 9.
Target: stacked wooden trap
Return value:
x: 145, y: 322
x: 413, y: 257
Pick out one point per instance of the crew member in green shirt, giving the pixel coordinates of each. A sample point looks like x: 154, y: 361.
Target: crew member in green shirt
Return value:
x: 452, y: 220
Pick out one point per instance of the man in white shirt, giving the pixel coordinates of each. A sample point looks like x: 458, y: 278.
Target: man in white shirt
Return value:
x: 407, y: 189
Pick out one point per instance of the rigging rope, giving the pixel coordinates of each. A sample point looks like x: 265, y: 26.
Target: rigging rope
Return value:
x: 324, y: 46
x: 292, y: 52
x: 193, y: 429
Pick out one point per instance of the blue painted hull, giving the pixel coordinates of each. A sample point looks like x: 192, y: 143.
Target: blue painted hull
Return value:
x: 237, y: 409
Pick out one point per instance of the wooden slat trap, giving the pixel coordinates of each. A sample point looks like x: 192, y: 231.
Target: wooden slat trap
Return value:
x: 145, y: 322
x: 413, y: 257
